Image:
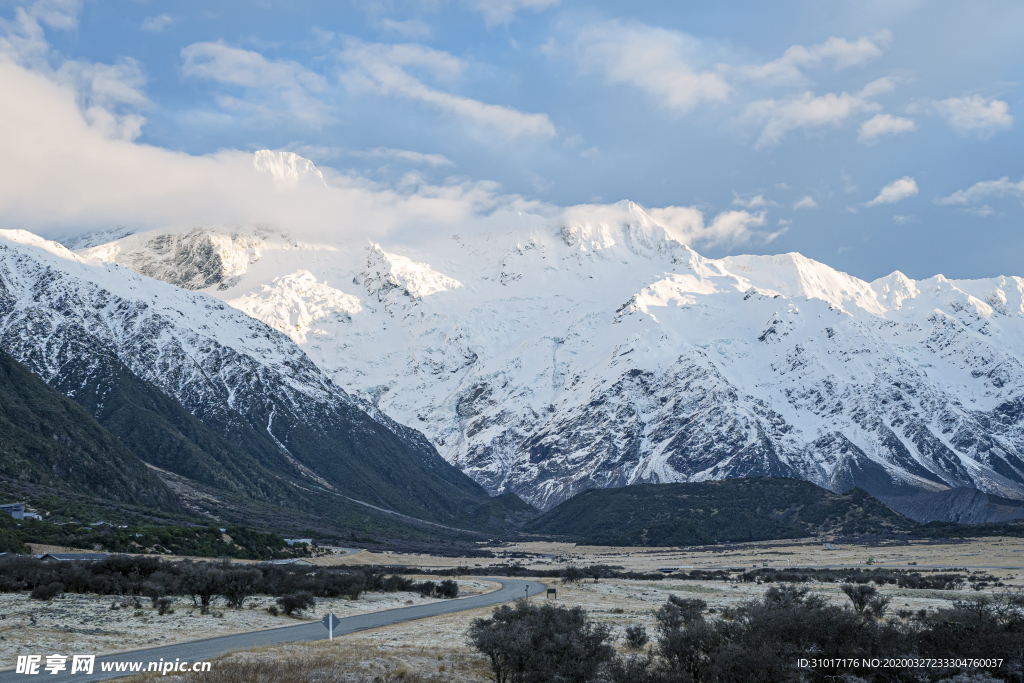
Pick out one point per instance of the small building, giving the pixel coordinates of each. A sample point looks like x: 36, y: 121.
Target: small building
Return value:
x: 16, y: 510
x: 299, y: 541
x: 291, y: 560
x: 73, y: 557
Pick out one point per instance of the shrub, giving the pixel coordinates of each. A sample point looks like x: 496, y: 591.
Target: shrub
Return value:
x: 546, y: 643
x: 636, y: 637
x: 860, y: 595
x: 447, y: 589
x: 296, y: 602
x: 165, y: 606
x: 47, y: 592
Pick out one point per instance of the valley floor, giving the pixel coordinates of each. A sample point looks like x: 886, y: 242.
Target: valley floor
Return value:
x: 436, y: 649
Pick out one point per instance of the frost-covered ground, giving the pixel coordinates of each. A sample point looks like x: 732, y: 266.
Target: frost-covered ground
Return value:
x: 96, y: 624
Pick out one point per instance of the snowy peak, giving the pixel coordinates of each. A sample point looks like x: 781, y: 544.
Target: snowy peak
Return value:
x: 893, y: 289
x: 288, y: 169
x: 389, y: 276
x: 621, y: 228
x: 294, y: 303
x: 795, y: 276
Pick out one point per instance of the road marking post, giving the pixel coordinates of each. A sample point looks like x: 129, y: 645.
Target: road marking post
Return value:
x: 330, y: 621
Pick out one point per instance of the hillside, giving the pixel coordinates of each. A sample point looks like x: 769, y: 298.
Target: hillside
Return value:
x: 48, y: 439
x: 735, y: 510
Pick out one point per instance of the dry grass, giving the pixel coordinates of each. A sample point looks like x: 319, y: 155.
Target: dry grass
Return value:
x: 349, y: 662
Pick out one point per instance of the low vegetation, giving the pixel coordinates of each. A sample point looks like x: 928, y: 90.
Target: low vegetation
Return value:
x: 760, y: 640
x: 169, y: 539
x: 204, y: 582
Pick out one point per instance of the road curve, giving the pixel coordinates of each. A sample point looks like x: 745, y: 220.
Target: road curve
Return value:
x: 204, y: 650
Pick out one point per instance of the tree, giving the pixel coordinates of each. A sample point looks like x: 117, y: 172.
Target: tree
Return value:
x: 531, y: 644
x: 202, y: 582
x: 238, y: 584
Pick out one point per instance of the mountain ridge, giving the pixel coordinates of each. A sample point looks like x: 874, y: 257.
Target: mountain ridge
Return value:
x: 593, y: 349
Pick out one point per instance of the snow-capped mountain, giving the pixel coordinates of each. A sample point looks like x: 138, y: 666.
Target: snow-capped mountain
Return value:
x: 272, y: 417
x: 547, y: 356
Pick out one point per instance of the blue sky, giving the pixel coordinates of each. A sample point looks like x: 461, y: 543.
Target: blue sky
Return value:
x: 872, y: 136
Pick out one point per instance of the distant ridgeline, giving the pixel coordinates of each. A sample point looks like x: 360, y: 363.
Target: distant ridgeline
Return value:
x: 734, y: 510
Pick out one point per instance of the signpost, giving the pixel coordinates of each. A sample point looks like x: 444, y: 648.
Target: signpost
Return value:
x: 330, y: 621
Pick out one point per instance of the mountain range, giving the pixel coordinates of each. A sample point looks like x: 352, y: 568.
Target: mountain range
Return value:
x: 436, y: 379
x: 544, y: 356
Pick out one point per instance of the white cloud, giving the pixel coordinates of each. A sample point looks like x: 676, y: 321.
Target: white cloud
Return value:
x: 842, y: 53
x: 497, y: 12
x: 110, y: 95
x: 410, y: 28
x: 62, y: 175
x: 381, y: 68
x: 157, y: 24
x: 755, y: 202
x: 981, y: 190
x: 883, y: 124
x: 804, y: 111
x: 406, y: 155
x: 901, y: 219
x: 275, y: 89
x: 806, y: 203
x: 686, y: 224
x: 975, y: 114
x: 895, y: 191
x: 658, y: 61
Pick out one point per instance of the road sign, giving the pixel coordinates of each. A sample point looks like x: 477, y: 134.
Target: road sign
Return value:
x: 330, y: 622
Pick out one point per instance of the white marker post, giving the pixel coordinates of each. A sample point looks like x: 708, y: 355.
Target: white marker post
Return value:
x: 330, y: 621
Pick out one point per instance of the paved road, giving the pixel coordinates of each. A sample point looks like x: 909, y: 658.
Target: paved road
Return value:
x: 203, y: 650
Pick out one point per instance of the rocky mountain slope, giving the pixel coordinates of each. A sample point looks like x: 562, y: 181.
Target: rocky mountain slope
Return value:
x: 230, y: 411
x: 548, y: 355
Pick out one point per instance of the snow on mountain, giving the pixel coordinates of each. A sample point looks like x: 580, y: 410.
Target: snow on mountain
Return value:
x: 548, y: 356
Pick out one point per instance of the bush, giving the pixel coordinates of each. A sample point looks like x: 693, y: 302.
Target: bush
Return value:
x: 47, y: 592
x: 636, y: 637
x: 296, y: 602
x: 447, y: 589
x: 165, y: 606
x: 546, y: 643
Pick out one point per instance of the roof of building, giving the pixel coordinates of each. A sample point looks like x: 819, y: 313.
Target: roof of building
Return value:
x: 71, y: 557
